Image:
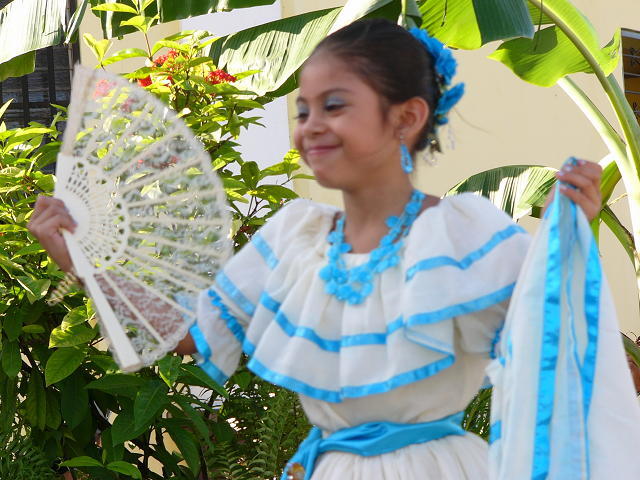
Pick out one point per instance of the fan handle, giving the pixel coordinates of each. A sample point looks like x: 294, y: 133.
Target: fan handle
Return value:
x: 127, y: 357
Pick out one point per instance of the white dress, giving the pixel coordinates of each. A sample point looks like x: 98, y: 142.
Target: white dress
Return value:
x: 414, y: 351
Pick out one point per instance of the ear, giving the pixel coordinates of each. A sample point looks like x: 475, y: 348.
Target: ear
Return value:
x: 412, y: 115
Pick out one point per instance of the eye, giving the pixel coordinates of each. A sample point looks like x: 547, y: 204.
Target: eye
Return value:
x: 333, y: 104
x: 302, y: 114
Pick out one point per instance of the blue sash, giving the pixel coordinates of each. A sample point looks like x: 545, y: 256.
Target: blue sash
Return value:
x: 369, y: 439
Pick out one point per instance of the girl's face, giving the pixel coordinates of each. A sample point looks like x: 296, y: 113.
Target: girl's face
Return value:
x: 341, y: 131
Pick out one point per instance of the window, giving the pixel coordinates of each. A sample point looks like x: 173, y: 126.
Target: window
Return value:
x: 631, y: 68
x: 34, y: 93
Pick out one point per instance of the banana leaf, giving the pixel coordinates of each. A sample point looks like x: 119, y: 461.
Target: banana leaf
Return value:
x: 26, y: 26
x: 469, y: 24
x: 167, y: 11
x: 551, y: 54
x: 277, y: 49
x: 518, y: 190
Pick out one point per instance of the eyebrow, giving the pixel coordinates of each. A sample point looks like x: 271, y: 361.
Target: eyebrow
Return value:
x: 327, y: 92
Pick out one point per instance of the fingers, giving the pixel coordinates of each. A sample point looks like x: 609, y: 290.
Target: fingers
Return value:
x: 585, y: 177
x: 48, y: 218
x: 46, y: 209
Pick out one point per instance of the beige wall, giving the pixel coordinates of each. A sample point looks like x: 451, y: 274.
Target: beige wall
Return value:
x: 503, y: 120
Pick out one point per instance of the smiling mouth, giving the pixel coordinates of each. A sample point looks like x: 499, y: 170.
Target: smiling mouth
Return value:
x: 319, y: 150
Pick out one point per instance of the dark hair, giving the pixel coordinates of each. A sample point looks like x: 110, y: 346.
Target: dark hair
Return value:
x: 391, y: 61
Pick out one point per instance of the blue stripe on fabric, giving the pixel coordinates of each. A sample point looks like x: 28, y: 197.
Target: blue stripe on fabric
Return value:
x: 495, y: 432
x: 202, y: 346
x: 231, y: 321
x: 336, y: 396
x: 549, y: 351
x: 205, y: 351
x: 592, y: 288
x: 467, y: 261
x: 462, y: 308
x: 265, y: 250
x: 234, y: 293
x: 380, y: 338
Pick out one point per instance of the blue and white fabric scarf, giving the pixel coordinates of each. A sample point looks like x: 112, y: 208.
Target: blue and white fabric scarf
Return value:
x: 563, y: 405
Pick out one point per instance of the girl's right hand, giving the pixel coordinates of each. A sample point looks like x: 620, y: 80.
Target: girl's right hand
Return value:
x: 48, y: 218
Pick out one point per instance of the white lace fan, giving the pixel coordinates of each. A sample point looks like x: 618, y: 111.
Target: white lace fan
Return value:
x: 153, y: 224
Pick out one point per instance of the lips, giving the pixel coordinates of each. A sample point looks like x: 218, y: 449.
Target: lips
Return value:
x: 319, y: 149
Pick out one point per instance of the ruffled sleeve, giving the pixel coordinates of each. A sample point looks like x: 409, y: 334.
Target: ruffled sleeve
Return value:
x: 226, y: 308
x: 463, y: 265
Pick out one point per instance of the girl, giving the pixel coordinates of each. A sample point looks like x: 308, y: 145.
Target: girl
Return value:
x: 382, y: 316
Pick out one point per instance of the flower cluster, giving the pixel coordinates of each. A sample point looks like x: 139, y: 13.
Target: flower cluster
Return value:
x: 445, y: 68
x: 170, y: 55
x: 219, y: 76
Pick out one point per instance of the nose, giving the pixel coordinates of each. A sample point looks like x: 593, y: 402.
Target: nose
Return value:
x: 315, y: 123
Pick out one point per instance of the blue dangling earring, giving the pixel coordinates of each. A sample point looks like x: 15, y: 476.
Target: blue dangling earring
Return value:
x: 406, y: 160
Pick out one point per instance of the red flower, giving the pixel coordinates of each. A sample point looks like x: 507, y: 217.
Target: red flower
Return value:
x: 145, y: 82
x: 219, y: 76
x: 171, y: 54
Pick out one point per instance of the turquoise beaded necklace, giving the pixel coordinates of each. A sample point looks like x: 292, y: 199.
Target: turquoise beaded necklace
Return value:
x: 354, y: 285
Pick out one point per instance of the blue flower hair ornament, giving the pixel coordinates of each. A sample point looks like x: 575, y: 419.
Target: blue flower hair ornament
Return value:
x: 445, y: 67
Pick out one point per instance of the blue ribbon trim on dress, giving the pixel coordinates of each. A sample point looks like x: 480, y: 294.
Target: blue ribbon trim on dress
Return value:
x: 265, y: 250
x: 229, y: 288
x: 369, y: 439
x: 571, y: 429
x: 205, y: 352
x: 549, y: 353
x: 468, y: 260
x: 346, y: 341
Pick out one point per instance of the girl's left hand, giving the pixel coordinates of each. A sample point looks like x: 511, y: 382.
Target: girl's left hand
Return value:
x: 585, y: 176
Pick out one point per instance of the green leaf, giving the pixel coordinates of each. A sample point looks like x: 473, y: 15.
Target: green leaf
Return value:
x: 74, y: 399
x: 518, y: 190
x: 623, y: 235
x: 115, y: 7
x: 29, y: 25
x: 11, y: 361
x: 452, y: 22
x: 140, y: 22
x: 262, y: 48
x: 632, y: 349
x: 71, y: 35
x: 275, y: 193
x: 18, y: 66
x: 71, y: 336
x: 76, y: 316
x: 12, y: 326
x: 188, y: 446
x: 196, y: 376
x: 193, y: 415
x: 125, y: 468
x: 502, y: 19
x: 124, y: 54
x: 123, y: 428
x: 551, y: 55
x: 62, y: 363
x: 171, y: 10
x: 82, y: 461
x: 33, y: 329
x: 118, y: 384
x: 98, y: 47
x: 36, y: 288
x: 4, y: 107
x: 151, y: 398
x: 35, y: 403
x: 52, y: 417
x: 250, y: 174
x: 169, y: 369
